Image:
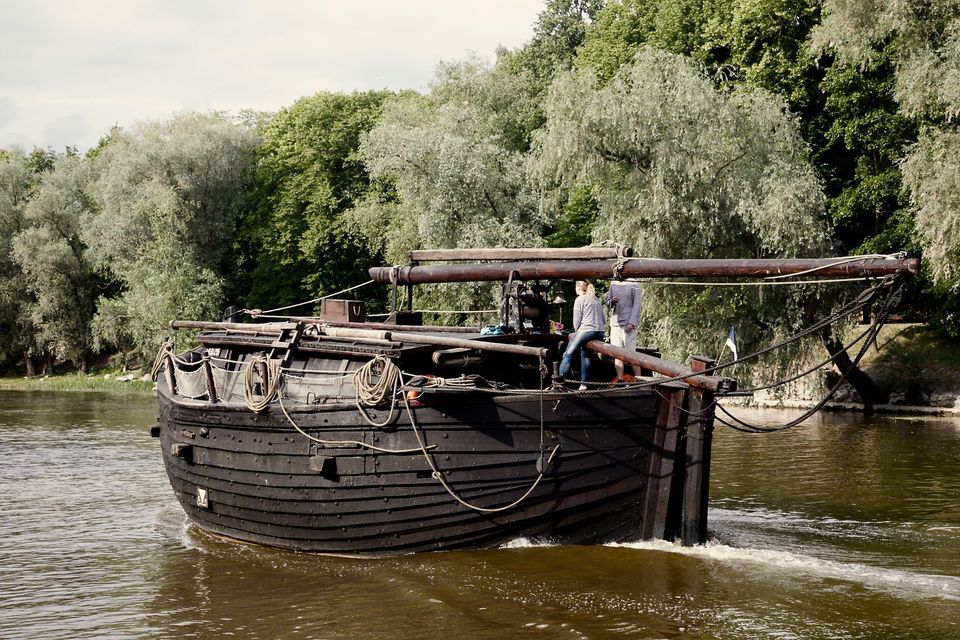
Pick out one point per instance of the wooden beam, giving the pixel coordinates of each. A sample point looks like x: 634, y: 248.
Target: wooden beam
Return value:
x: 572, y: 253
x: 663, y: 367
x: 645, y: 268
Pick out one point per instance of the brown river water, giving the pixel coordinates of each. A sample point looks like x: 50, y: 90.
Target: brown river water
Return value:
x: 843, y: 527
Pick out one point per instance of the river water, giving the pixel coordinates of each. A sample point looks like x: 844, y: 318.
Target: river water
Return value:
x: 844, y: 527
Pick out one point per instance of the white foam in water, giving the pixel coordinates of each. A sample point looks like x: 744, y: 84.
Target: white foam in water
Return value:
x: 904, y: 584
x: 526, y: 543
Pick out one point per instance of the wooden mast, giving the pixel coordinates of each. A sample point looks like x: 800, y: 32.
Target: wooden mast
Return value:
x: 645, y: 268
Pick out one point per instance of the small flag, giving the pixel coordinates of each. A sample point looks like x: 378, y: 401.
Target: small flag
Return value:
x: 731, y: 343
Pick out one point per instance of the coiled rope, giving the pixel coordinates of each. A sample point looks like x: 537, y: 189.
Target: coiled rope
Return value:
x: 270, y: 383
x: 375, y: 382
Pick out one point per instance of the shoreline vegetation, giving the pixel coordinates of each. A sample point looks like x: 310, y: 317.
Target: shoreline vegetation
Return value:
x: 104, y: 380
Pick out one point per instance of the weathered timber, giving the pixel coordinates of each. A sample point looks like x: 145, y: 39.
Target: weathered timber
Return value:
x: 384, y: 326
x: 663, y: 367
x: 663, y: 458
x: 571, y: 253
x: 697, y: 443
x: 645, y: 268
x: 443, y: 341
x: 260, y: 482
x: 380, y: 336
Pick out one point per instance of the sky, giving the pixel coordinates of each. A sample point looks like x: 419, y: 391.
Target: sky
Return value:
x: 72, y: 69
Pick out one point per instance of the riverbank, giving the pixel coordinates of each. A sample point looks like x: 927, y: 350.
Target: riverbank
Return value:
x: 919, y: 367
x: 104, y: 380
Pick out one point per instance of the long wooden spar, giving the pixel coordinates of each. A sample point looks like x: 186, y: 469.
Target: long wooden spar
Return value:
x: 274, y: 329
x: 645, y: 268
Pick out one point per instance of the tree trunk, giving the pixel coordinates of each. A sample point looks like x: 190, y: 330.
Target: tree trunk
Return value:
x: 870, y: 394
x: 28, y: 362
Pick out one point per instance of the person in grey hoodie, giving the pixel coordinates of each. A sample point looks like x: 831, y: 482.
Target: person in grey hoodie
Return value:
x: 624, y: 299
x: 588, y: 325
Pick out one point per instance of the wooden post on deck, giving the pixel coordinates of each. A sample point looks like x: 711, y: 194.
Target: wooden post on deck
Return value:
x: 698, y: 440
x: 171, y: 372
x: 208, y: 376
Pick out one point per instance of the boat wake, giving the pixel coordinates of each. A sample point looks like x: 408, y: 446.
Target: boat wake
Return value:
x: 896, y: 582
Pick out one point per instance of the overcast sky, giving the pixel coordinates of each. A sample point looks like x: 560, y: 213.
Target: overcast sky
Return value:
x: 70, y: 70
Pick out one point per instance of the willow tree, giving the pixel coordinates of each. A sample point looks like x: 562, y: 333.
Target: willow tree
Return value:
x: 168, y: 197
x: 925, y: 40
x: 51, y: 256
x: 16, y: 328
x: 457, y: 160
x: 682, y: 170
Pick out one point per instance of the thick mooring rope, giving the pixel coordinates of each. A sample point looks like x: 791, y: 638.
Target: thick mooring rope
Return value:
x: 373, y: 388
x: 270, y: 383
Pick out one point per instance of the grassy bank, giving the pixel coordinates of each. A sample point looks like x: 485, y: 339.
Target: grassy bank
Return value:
x: 103, y: 380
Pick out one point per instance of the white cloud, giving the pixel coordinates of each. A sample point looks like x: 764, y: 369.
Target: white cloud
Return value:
x: 71, y: 70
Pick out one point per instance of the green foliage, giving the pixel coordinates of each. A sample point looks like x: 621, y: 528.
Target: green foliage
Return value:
x: 559, y: 32
x: 15, y: 189
x: 459, y: 169
x: 168, y: 197
x: 681, y: 170
x: 860, y: 153
x: 932, y: 173
x: 308, y: 175
x: 575, y: 220
x: 50, y: 254
x: 919, y: 43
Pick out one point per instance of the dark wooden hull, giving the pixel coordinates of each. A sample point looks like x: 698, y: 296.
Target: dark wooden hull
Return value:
x: 622, y: 471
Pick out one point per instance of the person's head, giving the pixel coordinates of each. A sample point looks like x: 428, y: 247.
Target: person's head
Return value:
x: 583, y: 287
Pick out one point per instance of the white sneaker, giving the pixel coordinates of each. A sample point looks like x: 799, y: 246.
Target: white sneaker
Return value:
x: 583, y: 387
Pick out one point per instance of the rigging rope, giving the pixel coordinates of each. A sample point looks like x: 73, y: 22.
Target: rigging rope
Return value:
x: 741, y: 425
x: 257, y: 312
x: 438, y: 475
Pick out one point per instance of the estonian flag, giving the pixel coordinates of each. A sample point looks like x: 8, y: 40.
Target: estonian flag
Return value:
x: 731, y: 343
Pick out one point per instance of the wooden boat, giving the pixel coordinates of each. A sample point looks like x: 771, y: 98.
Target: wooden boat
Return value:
x: 331, y: 434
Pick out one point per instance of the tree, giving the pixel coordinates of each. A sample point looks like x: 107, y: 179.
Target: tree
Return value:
x: 682, y: 170
x: 16, y: 330
x: 308, y: 174
x: 922, y: 42
x: 560, y: 30
x: 50, y: 254
x: 168, y: 196
x: 457, y: 159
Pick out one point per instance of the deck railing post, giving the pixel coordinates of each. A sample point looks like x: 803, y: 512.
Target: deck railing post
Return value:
x: 208, y: 375
x: 171, y: 372
x: 699, y: 437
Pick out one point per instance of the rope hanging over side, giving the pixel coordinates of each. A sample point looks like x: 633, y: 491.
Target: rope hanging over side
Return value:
x: 438, y: 475
x: 160, y: 360
x: 270, y: 383
x: 376, y: 381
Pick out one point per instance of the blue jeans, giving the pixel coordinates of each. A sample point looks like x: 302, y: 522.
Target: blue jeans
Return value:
x: 575, y: 343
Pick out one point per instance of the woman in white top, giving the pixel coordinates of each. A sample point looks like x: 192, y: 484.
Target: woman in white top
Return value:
x: 588, y: 325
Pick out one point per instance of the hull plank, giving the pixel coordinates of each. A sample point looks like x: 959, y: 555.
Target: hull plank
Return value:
x: 260, y: 480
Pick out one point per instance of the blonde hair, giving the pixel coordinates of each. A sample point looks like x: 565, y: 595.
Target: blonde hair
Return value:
x: 584, y: 287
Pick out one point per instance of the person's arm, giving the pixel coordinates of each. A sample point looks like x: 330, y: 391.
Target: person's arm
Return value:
x: 577, y: 312
x: 635, y: 309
